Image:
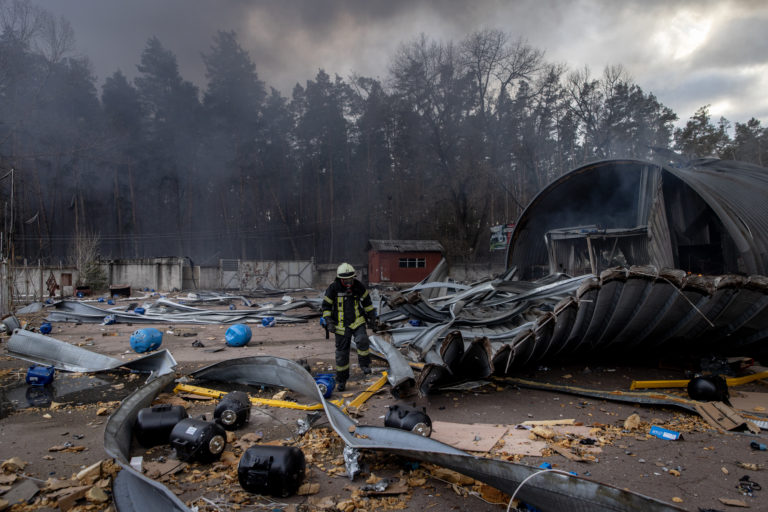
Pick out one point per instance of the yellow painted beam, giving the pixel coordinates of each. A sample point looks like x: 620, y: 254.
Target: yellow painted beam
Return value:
x: 285, y: 404
x: 648, y: 384
x: 368, y: 393
x: 731, y: 381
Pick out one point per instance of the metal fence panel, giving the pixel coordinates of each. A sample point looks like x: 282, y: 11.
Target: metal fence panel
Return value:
x: 254, y: 274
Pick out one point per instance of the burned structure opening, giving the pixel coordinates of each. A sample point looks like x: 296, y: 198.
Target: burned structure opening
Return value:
x: 705, y: 218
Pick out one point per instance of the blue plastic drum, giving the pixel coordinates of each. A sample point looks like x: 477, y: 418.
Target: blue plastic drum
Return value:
x: 238, y: 335
x: 45, y: 328
x: 146, y: 340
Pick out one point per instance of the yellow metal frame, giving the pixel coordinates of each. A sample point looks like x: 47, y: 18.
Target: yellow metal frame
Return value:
x: 732, y: 381
x: 286, y: 404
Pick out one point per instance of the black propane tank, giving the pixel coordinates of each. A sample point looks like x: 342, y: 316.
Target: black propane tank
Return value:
x: 198, y: 440
x: 709, y: 389
x: 233, y: 411
x: 154, y: 424
x: 408, y: 418
x: 271, y: 470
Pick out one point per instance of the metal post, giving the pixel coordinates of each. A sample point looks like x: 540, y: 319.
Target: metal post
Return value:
x: 4, y: 310
x: 591, y: 255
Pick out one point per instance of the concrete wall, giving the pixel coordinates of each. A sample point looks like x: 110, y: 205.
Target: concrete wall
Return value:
x: 31, y: 283
x: 174, y: 274
x: 154, y: 273
x: 208, y: 278
x: 325, y: 273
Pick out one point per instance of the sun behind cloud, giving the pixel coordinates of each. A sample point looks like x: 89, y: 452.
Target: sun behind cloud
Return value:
x: 683, y: 34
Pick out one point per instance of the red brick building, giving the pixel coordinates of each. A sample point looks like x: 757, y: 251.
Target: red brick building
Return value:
x: 402, y: 261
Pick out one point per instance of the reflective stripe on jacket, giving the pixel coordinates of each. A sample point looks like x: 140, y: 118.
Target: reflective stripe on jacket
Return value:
x: 347, y: 307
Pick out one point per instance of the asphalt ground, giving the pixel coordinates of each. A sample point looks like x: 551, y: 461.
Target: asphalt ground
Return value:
x: 700, y: 471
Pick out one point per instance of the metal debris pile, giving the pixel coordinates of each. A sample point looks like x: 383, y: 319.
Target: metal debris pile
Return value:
x: 496, y: 327
x: 165, y: 311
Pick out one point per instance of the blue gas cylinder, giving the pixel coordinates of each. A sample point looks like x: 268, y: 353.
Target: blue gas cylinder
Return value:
x: 45, y: 328
x: 146, y: 340
x: 40, y: 375
x: 325, y: 383
x: 238, y: 335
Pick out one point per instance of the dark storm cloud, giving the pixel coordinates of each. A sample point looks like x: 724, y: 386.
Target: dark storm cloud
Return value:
x: 673, y: 49
x: 288, y: 40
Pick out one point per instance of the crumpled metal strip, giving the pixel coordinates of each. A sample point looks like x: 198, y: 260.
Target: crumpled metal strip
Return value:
x: 132, y: 491
x: 400, y: 375
x: 44, y: 350
x: 549, y: 492
x: 162, y: 311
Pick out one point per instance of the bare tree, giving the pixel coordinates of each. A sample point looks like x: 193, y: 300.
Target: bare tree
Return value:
x: 84, y: 255
x: 20, y: 20
x: 57, y: 38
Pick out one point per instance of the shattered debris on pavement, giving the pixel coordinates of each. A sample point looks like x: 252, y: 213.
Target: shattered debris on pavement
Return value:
x: 479, y: 335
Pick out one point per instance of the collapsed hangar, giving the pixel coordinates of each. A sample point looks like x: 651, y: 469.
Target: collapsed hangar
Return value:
x: 705, y: 217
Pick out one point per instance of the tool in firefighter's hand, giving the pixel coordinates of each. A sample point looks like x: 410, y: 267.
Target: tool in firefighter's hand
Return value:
x: 372, y: 322
x: 328, y: 327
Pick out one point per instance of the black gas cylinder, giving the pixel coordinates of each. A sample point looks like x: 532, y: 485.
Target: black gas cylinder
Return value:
x: 709, y: 389
x: 198, y: 440
x: 154, y: 424
x: 271, y: 470
x: 233, y: 411
x: 408, y: 418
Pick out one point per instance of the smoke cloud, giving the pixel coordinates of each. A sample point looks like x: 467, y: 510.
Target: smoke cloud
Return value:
x: 681, y: 51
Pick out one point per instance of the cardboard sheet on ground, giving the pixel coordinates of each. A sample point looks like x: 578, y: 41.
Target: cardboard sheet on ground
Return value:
x: 749, y: 401
x: 472, y: 437
x: 719, y: 415
x: 519, y: 442
x: 576, y: 430
x: 482, y: 437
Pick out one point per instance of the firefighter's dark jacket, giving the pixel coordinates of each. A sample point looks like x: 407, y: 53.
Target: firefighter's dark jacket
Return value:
x: 348, y: 307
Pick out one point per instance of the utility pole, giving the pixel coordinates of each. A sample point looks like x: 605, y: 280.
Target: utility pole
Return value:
x: 6, y: 301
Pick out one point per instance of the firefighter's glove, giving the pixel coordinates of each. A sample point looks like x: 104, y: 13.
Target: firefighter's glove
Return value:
x: 372, y: 322
x: 331, y: 326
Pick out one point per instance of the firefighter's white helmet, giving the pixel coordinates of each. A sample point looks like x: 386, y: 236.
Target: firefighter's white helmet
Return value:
x: 346, y: 271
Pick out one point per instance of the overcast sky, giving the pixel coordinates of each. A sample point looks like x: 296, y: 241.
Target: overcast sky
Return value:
x: 689, y: 53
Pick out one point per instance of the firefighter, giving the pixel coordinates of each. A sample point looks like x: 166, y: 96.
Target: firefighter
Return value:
x: 347, y: 307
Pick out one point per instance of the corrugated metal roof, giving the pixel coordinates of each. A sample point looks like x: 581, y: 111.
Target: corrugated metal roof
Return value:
x: 738, y: 193
x: 406, y: 245
x: 619, y: 193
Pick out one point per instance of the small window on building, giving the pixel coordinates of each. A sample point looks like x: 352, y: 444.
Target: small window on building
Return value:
x: 412, y: 263
x: 66, y: 279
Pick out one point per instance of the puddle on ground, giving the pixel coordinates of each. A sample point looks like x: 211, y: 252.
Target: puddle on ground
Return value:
x: 70, y: 388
